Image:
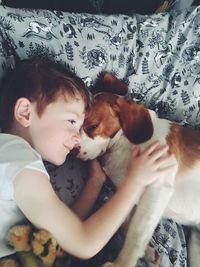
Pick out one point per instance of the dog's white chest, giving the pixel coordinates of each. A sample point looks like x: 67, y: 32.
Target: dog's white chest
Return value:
x: 115, y: 160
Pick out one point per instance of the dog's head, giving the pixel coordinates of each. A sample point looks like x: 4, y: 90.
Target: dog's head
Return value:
x: 110, y: 113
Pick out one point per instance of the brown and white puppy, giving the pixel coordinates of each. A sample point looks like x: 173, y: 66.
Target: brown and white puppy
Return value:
x: 112, y: 128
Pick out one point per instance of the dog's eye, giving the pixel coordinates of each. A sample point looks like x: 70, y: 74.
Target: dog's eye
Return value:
x: 91, y: 128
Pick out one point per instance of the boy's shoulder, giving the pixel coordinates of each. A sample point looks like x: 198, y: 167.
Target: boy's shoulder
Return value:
x: 14, y: 150
x: 11, y: 144
x: 16, y: 155
x: 7, y: 136
x: 10, y: 139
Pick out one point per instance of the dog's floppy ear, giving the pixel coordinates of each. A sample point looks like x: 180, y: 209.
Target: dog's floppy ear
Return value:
x: 134, y: 119
x: 110, y: 84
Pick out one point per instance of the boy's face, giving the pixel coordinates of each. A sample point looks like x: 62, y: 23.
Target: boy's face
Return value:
x: 57, y: 131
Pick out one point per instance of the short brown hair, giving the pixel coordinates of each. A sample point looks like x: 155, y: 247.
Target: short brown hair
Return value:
x: 41, y: 81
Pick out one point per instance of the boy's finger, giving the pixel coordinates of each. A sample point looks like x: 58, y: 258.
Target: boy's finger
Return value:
x: 148, y: 150
x: 173, y: 167
x: 135, y: 151
x: 168, y: 159
x: 160, y: 151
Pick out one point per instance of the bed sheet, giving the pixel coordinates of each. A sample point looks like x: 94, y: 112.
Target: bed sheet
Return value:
x: 157, y: 55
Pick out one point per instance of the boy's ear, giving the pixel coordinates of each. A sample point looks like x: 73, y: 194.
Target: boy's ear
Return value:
x: 22, y: 111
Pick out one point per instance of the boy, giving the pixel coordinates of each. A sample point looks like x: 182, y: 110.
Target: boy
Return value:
x: 42, y: 110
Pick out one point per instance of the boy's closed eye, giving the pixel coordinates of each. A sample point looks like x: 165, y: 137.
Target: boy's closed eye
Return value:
x: 73, y: 122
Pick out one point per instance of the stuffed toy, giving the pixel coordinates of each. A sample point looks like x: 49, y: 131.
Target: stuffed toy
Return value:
x: 45, y: 246
x: 19, y: 237
x: 9, y: 262
x: 35, y: 248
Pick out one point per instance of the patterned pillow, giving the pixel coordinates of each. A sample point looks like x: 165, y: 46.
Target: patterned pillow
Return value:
x: 158, y: 55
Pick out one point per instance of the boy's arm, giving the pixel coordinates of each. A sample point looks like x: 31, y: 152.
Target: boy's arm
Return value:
x: 90, y: 192
x: 37, y: 200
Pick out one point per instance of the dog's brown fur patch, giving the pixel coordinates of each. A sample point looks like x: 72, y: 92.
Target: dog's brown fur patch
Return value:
x: 184, y: 143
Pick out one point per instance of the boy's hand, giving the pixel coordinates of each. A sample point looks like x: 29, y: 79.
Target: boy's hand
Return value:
x: 147, y: 166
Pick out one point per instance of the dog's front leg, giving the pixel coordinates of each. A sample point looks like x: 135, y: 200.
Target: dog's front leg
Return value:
x: 148, y: 213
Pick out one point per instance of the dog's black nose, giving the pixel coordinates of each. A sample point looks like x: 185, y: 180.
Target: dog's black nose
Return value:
x: 75, y: 151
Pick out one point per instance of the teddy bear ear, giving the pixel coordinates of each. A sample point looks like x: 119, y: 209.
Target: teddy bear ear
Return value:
x: 110, y: 84
x: 19, y: 236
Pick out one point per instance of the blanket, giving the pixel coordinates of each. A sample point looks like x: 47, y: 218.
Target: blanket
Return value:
x: 157, y: 55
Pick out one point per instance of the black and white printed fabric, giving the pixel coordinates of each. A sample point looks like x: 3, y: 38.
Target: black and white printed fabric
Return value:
x: 158, y: 55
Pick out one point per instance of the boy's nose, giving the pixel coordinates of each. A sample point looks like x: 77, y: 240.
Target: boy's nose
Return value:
x: 77, y: 138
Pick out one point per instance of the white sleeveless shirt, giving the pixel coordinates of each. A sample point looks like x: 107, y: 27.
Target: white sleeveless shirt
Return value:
x: 15, y: 155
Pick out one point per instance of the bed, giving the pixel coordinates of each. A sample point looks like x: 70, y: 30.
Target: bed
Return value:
x: 158, y: 56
